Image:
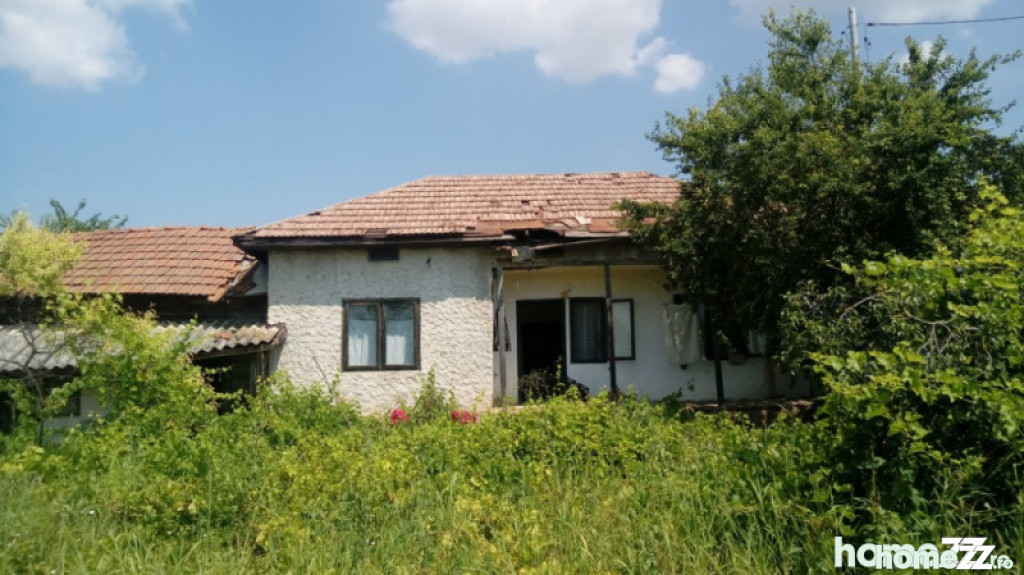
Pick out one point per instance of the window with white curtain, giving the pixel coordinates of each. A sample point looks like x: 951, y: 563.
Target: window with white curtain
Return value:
x: 381, y: 334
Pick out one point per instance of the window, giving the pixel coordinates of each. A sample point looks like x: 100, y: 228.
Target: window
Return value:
x: 625, y: 342
x: 382, y: 254
x: 587, y: 331
x: 73, y: 407
x: 381, y: 334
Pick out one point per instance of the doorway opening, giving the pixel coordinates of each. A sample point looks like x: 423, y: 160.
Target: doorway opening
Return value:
x: 540, y: 329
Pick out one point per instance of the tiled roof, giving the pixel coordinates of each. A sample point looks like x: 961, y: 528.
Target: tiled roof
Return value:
x: 480, y: 206
x: 196, y: 261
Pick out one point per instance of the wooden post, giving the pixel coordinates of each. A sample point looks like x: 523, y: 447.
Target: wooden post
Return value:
x: 613, y: 382
x: 854, y: 46
x: 711, y: 339
x: 500, y: 332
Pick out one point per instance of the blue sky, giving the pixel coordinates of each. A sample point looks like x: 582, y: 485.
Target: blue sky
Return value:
x: 188, y: 112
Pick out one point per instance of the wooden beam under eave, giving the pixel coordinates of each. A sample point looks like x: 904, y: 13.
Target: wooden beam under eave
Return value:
x: 500, y: 330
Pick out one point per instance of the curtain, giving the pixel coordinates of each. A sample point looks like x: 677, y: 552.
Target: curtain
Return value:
x: 399, y: 333
x: 683, y: 338
x: 362, y: 335
x: 587, y: 333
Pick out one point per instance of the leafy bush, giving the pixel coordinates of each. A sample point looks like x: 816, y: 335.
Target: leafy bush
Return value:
x: 543, y: 384
x: 296, y: 481
x: 431, y: 403
x: 924, y: 363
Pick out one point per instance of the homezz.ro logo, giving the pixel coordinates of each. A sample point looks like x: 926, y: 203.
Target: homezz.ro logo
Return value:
x: 964, y: 553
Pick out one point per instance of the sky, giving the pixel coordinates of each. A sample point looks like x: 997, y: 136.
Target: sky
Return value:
x: 238, y: 113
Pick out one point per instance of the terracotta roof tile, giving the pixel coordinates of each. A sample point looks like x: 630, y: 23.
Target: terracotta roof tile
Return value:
x: 477, y: 205
x: 167, y: 261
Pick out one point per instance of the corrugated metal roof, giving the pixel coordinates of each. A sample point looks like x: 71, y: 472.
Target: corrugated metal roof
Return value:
x: 27, y: 345
x: 215, y: 336
x: 479, y: 206
x: 191, y: 261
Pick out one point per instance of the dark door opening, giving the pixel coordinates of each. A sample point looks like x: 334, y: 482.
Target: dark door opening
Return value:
x: 540, y: 329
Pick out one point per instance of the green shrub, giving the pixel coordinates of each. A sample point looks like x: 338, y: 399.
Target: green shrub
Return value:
x: 924, y: 364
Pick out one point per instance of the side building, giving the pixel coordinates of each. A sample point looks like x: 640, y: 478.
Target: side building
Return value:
x: 189, y: 277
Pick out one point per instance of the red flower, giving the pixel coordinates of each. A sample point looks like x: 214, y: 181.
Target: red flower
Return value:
x: 464, y: 417
x: 398, y: 416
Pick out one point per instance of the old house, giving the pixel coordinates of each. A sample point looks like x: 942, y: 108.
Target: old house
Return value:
x: 484, y: 280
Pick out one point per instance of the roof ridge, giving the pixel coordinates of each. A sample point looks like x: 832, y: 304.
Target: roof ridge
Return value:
x: 166, y: 228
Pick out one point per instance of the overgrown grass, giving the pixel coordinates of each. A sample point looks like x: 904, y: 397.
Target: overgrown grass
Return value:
x: 296, y: 483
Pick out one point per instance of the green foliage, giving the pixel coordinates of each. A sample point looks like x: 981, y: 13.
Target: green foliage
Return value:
x: 33, y: 260
x: 432, y: 403
x: 807, y: 161
x: 550, y: 489
x: 543, y: 384
x: 294, y: 481
x: 140, y: 372
x: 61, y: 220
x: 924, y: 363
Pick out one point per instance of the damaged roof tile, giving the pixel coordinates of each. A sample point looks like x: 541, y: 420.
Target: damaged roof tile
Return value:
x: 477, y: 205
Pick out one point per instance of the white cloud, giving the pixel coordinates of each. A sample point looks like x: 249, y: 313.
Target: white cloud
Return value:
x: 74, y: 43
x: 871, y: 10
x: 575, y: 40
x: 678, y: 72
x: 170, y: 8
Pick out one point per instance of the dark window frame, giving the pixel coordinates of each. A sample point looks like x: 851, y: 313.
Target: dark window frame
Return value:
x: 380, y: 303
x: 602, y: 356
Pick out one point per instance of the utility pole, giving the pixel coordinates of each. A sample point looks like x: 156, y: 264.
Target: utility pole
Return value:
x: 854, y: 47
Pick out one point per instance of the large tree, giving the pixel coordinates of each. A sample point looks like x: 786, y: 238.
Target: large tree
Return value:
x: 812, y: 159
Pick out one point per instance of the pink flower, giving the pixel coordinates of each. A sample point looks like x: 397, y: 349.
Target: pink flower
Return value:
x: 398, y: 416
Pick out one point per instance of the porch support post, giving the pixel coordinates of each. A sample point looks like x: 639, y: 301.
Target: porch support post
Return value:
x: 719, y: 384
x: 500, y: 330
x: 613, y: 382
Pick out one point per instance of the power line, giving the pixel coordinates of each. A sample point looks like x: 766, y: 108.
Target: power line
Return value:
x: 944, y: 22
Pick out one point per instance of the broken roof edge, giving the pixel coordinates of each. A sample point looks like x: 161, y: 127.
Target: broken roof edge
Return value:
x: 570, y: 238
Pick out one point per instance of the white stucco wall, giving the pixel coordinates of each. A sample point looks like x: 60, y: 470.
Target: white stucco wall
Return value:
x: 453, y: 284
x: 651, y: 373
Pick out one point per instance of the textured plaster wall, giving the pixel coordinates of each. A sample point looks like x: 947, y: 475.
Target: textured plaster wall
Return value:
x: 453, y: 284
x: 651, y: 373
